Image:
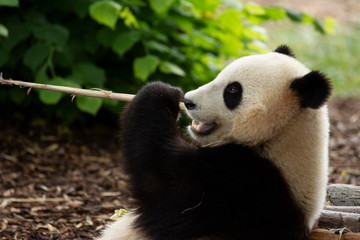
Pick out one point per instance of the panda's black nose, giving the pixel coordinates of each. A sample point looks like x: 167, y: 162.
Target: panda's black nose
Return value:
x: 189, y: 104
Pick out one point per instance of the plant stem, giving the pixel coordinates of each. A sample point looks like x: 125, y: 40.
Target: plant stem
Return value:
x: 97, y: 93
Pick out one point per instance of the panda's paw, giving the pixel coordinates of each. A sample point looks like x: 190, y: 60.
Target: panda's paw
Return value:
x: 160, y: 97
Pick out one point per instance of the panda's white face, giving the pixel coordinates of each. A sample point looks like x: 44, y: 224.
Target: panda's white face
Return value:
x: 248, y: 102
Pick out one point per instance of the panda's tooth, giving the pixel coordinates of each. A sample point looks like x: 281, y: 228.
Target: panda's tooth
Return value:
x: 200, y: 126
x: 194, y: 124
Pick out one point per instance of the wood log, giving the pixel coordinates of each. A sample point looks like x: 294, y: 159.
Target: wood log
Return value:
x: 344, y: 194
x: 333, y: 219
x: 346, y: 209
x: 346, y: 212
x: 323, y: 234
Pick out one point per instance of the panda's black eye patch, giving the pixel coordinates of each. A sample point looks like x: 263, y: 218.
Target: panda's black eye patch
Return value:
x: 232, y: 95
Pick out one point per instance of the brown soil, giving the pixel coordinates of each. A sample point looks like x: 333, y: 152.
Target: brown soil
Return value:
x: 55, y: 185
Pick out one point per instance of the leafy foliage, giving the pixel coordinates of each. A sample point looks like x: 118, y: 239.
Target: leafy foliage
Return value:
x: 120, y: 44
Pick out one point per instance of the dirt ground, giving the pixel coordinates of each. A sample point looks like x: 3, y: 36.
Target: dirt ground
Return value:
x: 66, y: 186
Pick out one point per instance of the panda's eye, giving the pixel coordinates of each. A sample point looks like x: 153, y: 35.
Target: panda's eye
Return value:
x: 232, y: 89
x: 232, y: 95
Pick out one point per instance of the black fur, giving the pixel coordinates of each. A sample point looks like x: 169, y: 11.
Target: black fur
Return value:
x: 283, y: 49
x: 187, y: 193
x: 313, y: 89
x: 232, y: 95
x: 190, y: 105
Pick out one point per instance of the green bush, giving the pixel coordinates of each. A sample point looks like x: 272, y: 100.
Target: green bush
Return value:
x: 122, y: 44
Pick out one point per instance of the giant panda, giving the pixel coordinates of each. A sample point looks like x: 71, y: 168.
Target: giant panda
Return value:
x: 256, y: 163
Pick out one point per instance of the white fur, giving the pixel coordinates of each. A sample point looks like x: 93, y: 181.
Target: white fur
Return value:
x: 122, y: 229
x: 266, y: 80
x: 301, y: 152
x: 270, y: 116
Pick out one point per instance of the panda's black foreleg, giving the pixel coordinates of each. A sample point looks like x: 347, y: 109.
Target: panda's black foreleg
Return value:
x: 151, y: 140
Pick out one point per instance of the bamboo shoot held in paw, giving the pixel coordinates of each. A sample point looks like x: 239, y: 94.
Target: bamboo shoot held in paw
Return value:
x: 97, y: 93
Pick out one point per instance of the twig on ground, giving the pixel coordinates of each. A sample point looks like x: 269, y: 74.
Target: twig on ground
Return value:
x: 7, y: 201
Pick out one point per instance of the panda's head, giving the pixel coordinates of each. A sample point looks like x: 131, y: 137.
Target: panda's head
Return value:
x: 253, y: 98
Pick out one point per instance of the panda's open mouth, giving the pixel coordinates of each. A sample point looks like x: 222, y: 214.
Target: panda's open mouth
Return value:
x: 202, y: 128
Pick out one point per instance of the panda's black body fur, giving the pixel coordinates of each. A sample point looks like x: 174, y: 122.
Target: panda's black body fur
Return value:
x: 184, y: 192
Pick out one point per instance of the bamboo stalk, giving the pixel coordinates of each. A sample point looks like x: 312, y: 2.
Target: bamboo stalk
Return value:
x: 97, y: 93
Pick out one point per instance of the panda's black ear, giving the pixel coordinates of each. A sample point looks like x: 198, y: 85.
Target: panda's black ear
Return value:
x: 283, y: 49
x: 313, y: 89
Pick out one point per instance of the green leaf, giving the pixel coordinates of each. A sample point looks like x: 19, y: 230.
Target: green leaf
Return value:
x: 231, y: 45
x: 36, y: 55
x: 105, y: 36
x: 17, y: 95
x: 157, y: 46
x: 125, y: 41
x: 54, y: 34
x: 66, y: 82
x: 255, y: 32
x: 318, y: 27
x: 205, y: 41
x: 329, y: 25
x: 170, y: 68
x: 207, y: 5
x: 184, y: 23
x: 9, y: 3
x: 89, y: 74
x: 307, y: 18
x: 41, y: 75
x: 4, y: 53
x: 88, y: 104
x: 161, y: 6
x: 129, y: 18
x: 51, y: 97
x: 18, y: 33
x: 230, y: 21
x: 105, y: 12
x: 81, y: 7
x: 255, y: 9
x: 294, y: 15
x: 3, y: 31
x: 275, y: 13
x: 144, y: 66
